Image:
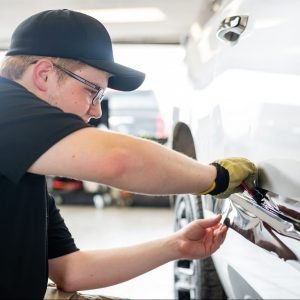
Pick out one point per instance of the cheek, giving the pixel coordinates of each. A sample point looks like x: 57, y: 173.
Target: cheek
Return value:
x: 71, y: 101
x: 77, y: 101
x: 78, y: 105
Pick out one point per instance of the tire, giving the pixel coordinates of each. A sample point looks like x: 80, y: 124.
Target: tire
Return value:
x: 194, y: 279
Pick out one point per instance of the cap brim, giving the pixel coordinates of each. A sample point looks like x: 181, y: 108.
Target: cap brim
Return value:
x: 122, y: 79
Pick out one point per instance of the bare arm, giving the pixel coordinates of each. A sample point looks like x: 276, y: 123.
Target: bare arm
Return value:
x: 99, y: 268
x: 125, y: 162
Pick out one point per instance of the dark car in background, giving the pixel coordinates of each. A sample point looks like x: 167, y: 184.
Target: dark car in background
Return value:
x: 243, y: 57
x: 136, y: 113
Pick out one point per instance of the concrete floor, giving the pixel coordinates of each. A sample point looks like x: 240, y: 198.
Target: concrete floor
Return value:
x: 120, y: 226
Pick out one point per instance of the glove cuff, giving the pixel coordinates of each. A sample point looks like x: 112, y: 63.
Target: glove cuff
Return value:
x: 212, y: 187
x: 221, y: 181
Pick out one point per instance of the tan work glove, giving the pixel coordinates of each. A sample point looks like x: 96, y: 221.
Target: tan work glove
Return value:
x: 230, y: 173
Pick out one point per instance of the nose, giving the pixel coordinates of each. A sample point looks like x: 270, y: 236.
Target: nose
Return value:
x: 95, y: 111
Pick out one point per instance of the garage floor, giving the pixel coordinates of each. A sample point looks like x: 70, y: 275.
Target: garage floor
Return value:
x: 120, y: 226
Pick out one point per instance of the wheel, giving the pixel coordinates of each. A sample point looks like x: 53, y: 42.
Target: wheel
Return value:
x: 194, y: 279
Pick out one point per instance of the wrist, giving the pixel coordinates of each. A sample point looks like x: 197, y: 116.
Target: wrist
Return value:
x: 221, y: 180
x: 211, y: 172
x: 174, y: 244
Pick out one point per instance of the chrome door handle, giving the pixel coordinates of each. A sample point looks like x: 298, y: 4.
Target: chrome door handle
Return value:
x: 231, y: 28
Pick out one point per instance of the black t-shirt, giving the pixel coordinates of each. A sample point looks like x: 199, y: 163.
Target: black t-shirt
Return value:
x: 31, y: 228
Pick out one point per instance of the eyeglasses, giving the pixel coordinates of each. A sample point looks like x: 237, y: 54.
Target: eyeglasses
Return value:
x: 99, y: 92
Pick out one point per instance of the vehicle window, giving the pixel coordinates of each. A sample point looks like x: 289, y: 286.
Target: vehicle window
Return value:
x: 136, y: 113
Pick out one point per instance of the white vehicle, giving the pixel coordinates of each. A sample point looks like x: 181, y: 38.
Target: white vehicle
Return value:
x: 243, y: 57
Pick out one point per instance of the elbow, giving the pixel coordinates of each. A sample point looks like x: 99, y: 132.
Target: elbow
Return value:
x: 65, y: 288
x: 63, y: 274
x: 67, y: 284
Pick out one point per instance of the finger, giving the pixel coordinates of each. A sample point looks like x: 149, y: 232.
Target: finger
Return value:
x: 219, y: 225
x: 211, y: 222
x: 250, y: 180
x: 220, y: 229
x: 220, y: 234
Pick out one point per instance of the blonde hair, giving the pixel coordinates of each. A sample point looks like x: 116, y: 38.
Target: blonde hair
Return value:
x: 13, y: 67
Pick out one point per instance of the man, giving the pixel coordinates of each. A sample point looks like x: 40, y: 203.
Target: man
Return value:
x: 53, y: 78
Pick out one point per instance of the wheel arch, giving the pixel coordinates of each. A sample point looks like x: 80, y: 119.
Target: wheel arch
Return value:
x: 183, y: 141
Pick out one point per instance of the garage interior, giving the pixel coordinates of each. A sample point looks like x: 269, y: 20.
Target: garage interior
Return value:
x: 145, y: 24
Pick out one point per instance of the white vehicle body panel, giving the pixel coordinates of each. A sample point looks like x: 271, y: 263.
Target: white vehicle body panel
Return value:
x: 253, y: 92
x: 247, y: 103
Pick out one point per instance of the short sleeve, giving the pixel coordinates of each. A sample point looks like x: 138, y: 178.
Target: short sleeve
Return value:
x: 60, y: 241
x: 29, y: 127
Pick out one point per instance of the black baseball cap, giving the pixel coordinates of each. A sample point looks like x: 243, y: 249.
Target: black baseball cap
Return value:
x: 70, y: 34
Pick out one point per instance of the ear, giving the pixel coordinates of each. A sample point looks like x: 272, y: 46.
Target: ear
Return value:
x: 41, y: 72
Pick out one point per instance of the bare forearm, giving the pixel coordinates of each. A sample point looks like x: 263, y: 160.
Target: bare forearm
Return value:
x: 99, y: 268
x: 155, y: 169
x: 125, y: 162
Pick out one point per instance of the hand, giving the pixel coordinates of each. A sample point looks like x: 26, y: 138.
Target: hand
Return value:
x: 230, y: 173
x: 201, y: 238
